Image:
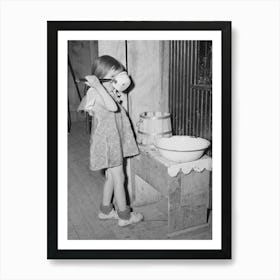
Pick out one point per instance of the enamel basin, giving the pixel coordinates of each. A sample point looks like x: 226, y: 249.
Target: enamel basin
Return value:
x: 182, y: 148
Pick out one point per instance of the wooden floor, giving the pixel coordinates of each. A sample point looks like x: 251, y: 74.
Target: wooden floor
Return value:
x: 84, y: 197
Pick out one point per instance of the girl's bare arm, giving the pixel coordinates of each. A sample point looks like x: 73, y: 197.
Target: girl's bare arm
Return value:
x: 105, y: 97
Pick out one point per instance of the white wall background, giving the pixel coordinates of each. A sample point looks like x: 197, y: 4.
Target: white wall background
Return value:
x: 255, y: 101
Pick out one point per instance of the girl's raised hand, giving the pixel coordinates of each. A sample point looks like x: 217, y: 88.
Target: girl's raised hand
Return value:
x: 93, y: 81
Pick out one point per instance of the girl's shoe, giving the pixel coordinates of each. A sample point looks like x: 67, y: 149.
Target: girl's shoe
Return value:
x: 112, y: 215
x: 134, y: 218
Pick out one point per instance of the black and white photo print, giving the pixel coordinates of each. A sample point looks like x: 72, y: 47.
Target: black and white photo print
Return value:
x: 139, y: 142
x: 139, y: 139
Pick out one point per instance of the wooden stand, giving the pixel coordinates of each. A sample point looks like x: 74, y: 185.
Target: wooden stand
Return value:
x: 187, y: 194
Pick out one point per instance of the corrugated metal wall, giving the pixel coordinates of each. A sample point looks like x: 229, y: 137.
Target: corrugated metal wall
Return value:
x: 190, y: 102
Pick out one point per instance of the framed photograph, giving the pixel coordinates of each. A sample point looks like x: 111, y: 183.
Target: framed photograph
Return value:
x: 139, y: 140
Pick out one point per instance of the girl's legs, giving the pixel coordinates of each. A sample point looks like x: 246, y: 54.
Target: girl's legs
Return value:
x: 119, y: 193
x: 108, y: 188
x: 124, y: 215
x: 106, y: 206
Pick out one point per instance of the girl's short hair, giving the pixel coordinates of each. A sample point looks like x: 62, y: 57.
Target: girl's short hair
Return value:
x: 103, y: 64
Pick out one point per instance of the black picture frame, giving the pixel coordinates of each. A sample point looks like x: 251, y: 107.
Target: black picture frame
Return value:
x: 52, y: 140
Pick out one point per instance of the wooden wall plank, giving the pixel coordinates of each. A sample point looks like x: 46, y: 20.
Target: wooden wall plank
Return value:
x: 81, y: 54
x: 145, y: 68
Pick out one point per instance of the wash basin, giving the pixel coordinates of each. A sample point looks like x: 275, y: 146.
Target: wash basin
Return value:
x: 182, y: 148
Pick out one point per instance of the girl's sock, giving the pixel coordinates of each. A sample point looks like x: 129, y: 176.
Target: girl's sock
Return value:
x: 106, y: 209
x: 124, y: 215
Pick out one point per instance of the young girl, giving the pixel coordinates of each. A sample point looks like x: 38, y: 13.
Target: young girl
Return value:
x: 111, y: 139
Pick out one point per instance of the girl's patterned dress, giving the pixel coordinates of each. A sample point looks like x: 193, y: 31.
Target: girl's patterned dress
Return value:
x: 112, y: 138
